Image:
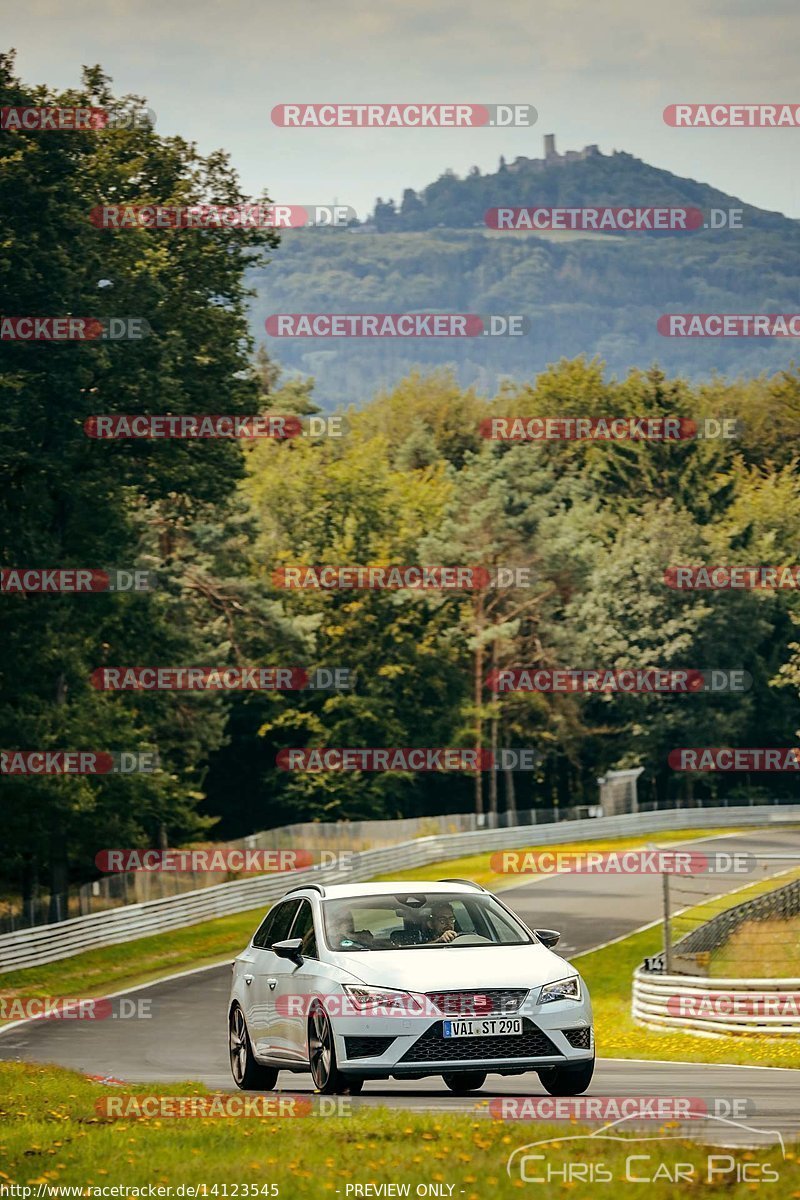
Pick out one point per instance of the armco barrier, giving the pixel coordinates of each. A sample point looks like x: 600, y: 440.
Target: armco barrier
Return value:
x: 47, y: 943
x: 716, y: 1007
x: 139, y: 887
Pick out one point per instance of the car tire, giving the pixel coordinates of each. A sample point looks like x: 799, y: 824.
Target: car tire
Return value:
x: 568, y: 1080
x: 461, y: 1083
x: 248, y: 1074
x: 328, y: 1079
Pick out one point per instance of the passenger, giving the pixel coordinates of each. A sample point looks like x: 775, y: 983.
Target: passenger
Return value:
x: 343, y: 930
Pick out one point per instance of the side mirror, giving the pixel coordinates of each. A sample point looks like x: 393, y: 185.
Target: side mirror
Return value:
x: 548, y: 937
x: 290, y: 948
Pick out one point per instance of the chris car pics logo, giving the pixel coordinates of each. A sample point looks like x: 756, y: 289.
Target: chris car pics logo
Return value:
x: 567, y: 1161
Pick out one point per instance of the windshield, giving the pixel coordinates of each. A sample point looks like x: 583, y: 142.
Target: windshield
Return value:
x: 419, y: 921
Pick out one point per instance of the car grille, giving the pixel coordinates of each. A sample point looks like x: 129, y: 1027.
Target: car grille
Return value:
x: 579, y: 1039
x: 366, y: 1047
x: 490, y: 1001
x: 433, y: 1047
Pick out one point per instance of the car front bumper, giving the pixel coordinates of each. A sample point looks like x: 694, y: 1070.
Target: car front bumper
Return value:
x: 555, y: 1034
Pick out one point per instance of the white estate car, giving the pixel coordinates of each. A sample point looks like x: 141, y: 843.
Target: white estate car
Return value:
x: 402, y: 980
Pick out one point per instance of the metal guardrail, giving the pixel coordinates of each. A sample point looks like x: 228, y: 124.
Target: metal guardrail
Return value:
x: 718, y: 1007
x: 49, y: 943
x: 322, y: 837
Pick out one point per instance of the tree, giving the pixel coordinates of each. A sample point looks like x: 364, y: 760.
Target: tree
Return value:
x: 499, y: 518
x: 347, y: 503
x: 71, y: 501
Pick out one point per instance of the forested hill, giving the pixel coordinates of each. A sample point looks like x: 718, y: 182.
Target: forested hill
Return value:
x: 616, y: 179
x: 598, y: 294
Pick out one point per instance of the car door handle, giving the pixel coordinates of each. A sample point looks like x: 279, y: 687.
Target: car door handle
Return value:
x: 273, y: 983
x: 248, y: 979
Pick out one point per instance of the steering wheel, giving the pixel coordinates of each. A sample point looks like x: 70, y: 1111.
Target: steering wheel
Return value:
x: 474, y: 938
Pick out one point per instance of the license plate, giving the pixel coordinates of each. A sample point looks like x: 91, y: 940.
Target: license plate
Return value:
x: 483, y: 1027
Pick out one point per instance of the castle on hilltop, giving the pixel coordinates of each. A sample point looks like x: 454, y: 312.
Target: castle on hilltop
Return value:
x: 552, y: 157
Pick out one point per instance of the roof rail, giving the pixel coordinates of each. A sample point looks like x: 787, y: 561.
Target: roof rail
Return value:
x: 467, y: 883
x: 305, y: 887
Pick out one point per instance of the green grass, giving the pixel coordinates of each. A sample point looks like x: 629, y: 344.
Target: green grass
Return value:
x: 761, y: 949
x: 609, y: 974
x: 50, y: 1133
x: 111, y: 968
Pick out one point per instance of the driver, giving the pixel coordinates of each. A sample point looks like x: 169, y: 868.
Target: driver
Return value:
x: 442, y: 922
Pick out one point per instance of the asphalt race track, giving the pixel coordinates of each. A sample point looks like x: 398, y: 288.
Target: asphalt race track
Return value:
x: 186, y: 1037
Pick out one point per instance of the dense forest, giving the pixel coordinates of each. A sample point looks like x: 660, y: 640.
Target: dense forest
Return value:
x: 411, y: 481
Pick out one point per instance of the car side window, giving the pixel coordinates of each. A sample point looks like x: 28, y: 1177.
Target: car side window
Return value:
x: 262, y: 933
x: 275, y: 927
x: 304, y: 928
x: 283, y: 922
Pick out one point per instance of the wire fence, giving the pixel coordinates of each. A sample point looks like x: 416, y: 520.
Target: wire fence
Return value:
x: 706, y: 932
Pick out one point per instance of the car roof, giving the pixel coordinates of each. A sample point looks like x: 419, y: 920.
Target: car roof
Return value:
x: 390, y: 887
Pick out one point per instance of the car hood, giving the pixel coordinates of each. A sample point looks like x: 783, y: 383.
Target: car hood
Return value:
x: 451, y: 968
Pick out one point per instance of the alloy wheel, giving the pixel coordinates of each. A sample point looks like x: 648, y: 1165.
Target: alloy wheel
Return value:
x: 238, y: 1046
x: 320, y: 1048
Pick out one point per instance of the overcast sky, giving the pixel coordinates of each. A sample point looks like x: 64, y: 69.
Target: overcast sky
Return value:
x: 595, y: 72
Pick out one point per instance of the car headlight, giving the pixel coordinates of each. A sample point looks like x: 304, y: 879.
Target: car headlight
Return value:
x: 562, y: 989
x: 383, y: 1001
